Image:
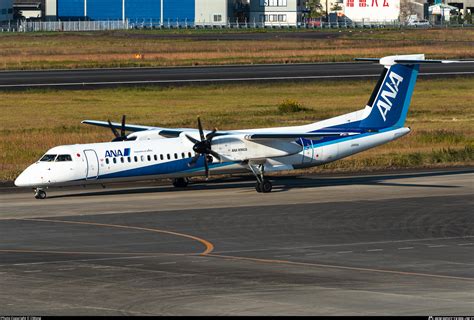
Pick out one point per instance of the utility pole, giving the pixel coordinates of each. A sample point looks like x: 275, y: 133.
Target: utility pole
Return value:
x: 327, y: 12
x: 161, y: 13
x: 123, y: 11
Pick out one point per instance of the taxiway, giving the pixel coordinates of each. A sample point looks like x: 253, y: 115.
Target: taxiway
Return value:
x: 379, y: 244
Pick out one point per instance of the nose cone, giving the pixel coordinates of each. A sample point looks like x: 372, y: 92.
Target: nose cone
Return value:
x: 29, y: 177
x: 22, y: 180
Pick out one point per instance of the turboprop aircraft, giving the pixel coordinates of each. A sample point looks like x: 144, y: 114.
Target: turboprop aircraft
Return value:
x: 179, y: 153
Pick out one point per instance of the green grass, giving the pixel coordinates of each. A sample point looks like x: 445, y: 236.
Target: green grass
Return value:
x: 441, y: 117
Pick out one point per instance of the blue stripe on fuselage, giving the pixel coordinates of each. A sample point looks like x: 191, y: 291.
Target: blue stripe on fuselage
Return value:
x: 163, y: 169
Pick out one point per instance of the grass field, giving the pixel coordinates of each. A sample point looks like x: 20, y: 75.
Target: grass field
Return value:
x: 442, y: 122
x: 180, y: 48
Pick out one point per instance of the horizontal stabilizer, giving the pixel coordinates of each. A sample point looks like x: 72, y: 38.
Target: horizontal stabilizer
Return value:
x: 408, y: 59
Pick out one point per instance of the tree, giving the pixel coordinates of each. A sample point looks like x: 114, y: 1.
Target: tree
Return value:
x: 407, y: 9
x: 316, y: 9
x: 336, y: 7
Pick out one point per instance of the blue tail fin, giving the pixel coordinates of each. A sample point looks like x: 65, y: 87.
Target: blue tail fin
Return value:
x: 391, y: 97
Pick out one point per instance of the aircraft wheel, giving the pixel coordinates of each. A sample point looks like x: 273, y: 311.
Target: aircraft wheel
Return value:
x: 180, y: 182
x: 266, y: 186
x: 40, y: 194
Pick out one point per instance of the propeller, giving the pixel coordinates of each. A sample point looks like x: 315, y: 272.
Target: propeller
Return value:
x: 203, y: 147
x: 118, y: 137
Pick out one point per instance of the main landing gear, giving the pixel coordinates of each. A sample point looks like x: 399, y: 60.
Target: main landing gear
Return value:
x: 263, y: 185
x: 40, y: 194
x: 180, y: 182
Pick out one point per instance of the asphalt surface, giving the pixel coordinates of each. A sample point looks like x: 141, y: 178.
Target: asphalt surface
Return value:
x: 384, y: 244
x: 99, y: 78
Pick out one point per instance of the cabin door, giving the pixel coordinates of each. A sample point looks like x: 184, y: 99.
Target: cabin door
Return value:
x: 92, y: 164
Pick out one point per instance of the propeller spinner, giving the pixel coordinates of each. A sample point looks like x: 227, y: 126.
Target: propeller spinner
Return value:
x: 203, y: 147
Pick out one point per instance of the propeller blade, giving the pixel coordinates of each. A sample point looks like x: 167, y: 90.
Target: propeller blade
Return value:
x: 116, y: 134
x: 201, y: 133
x: 193, y: 161
x: 215, y: 154
x: 206, y: 166
x: 211, y: 135
x: 122, y: 131
x: 192, y: 139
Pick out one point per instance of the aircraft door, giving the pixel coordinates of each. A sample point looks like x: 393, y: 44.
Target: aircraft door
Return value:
x: 92, y: 164
x: 307, y: 150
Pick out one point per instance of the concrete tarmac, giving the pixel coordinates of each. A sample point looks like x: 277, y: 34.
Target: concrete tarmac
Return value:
x: 379, y: 244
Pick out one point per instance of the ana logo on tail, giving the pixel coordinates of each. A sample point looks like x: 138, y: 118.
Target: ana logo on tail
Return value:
x: 389, y: 93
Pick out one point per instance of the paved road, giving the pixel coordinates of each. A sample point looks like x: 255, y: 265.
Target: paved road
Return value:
x: 392, y: 244
x: 98, y: 78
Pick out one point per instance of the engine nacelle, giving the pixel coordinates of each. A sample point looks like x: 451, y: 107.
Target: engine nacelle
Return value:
x: 151, y: 134
x: 237, y: 148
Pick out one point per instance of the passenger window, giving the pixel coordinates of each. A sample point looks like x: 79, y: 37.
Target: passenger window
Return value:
x: 161, y: 157
x: 48, y: 157
x: 156, y: 157
x: 176, y: 156
x: 107, y: 160
x: 182, y: 155
x: 129, y: 159
x: 115, y: 160
x: 142, y: 158
x: 168, y: 156
x: 189, y: 154
x: 121, y: 160
x: 63, y: 157
x: 136, y: 159
x: 148, y: 157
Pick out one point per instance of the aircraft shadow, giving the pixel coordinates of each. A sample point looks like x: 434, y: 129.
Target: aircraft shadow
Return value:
x: 284, y: 183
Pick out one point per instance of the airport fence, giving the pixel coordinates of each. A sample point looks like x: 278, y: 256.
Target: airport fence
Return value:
x: 42, y: 26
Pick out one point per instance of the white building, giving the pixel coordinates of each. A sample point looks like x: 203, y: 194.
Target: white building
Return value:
x: 372, y: 10
x: 212, y: 12
x: 276, y: 12
x: 6, y: 10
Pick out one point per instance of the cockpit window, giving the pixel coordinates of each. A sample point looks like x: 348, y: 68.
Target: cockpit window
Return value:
x: 63, y: 157
x: 48, y: 157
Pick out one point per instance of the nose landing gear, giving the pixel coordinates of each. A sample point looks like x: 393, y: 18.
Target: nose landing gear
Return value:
x: 263, y: 185
x: 40, y: 194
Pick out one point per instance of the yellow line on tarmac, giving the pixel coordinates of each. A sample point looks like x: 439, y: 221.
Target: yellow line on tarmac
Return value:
x: 90, y: 252
x: 318, y: 265
x: 209, y: 246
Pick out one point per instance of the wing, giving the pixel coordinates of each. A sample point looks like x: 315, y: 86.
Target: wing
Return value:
x: 128, y: 127
x: 165, y: 132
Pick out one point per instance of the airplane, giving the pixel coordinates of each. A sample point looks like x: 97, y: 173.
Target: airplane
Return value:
x: 149, y: 153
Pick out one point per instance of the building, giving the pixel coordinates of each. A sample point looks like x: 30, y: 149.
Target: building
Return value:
x: 277, y: 12
x: 372, y: 10
x: 465, y: 6
x: 212, y: 12
x: 156, y: 11
x: 201, y: 12
x: 6, y: 10
x: 35, y: 9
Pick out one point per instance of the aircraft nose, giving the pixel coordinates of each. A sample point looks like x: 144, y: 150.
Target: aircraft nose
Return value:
x: 21, y: 180
x: 28, y: 178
